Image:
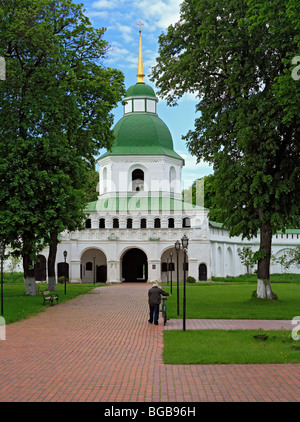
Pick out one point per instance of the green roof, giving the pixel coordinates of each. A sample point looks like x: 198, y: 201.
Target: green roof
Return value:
x: 139, y: 203
x: 142, y: 134
x: 140, y: 90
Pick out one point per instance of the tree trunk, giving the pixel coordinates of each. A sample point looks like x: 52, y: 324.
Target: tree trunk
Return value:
x: 264, y: 290
x: 51, y: 260
x: 29, y: 278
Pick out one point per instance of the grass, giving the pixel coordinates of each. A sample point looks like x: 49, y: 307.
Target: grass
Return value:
x: 18, y: 306
x: 233, y: 300
x: 229, y: 347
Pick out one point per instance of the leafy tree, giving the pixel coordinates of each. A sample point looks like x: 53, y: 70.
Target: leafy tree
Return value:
x: 55, y: 115
x: 203, y: 192
x: 289, y: 258
x: 237, y: 58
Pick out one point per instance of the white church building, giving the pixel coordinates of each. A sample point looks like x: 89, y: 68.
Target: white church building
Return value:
x: 140, y: 213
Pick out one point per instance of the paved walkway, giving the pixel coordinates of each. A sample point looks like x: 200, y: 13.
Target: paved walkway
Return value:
x: 100, y: 347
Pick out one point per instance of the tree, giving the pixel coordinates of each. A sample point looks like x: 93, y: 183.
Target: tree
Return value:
x: 289, y: 258
x: 233, y: 57
x: 203, y: 193
x: 55, y: 115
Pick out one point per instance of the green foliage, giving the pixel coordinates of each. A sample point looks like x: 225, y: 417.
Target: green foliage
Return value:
x: 190, y: 279
x: 289, y: 258
x: 55, y: 114
x: 236, y: 57
x: 250, y: 258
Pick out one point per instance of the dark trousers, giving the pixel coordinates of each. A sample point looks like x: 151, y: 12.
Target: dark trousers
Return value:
x: 154, y: 312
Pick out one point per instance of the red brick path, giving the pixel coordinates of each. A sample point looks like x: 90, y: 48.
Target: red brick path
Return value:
x: 100, y: 347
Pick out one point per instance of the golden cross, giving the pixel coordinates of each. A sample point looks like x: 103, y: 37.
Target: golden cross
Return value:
x: 140, y: 24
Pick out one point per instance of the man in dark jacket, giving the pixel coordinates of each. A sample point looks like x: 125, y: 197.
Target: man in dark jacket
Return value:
x: 154, y: 299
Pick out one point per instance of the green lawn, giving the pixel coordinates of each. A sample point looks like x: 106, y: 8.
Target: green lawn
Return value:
x: 229, y: 346
x: 17, y: 305
x: 233, y: 300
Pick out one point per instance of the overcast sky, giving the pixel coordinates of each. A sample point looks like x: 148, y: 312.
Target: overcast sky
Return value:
x: 121, y: 17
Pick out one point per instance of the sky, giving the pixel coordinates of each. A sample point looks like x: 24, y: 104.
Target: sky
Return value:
x: 121, y: 18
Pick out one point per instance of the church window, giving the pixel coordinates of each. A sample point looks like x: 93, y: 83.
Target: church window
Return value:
x: 151, y: 106
x: 139, y: 105
x: 137, y: 180
x: 186, y: 222
x: 88, y: 223
x: 171, y: 224
x: 143, y: 223
x: 129, y: 223
x: 102, y: 223
x: 157, y: 223
x: 105, y: 179
x: 115, y: 223
x: 89, y: 266
x: 172, y: 179
x: 164, y: 267
x: 128, y: 107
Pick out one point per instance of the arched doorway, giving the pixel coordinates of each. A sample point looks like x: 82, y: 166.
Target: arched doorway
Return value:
x: 135, y: 266
x: 202, y: 272
x: 40, y: 268
x: 93, y: 266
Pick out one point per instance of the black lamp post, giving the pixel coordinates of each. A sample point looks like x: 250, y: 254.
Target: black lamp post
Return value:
x: 65, y: 256
x: 167, y: 270
x: 185, y: 242
x: 171, y: 255
x: 177, y: 249
x: 94, y: 268
x: 2, y: 251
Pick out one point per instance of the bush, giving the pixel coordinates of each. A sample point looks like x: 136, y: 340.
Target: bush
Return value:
x: 61, y: 280
x: 191, y: 279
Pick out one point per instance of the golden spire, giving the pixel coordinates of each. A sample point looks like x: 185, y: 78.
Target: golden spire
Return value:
x: 140, y: 75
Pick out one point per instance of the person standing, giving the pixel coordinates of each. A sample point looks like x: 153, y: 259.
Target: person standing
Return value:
x: 154, y: 300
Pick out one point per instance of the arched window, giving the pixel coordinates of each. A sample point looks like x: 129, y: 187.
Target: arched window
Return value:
x: 157, y: 223
x: 115, y: 223
x: 129, y: 223
x: 171, y: 224
x: 105, y: 179
x: 172, y: 178
x: 102, y: 223
x: 137, y: 180
x: 186, y: 222
x: 88, y: 223
x: 143, y: 223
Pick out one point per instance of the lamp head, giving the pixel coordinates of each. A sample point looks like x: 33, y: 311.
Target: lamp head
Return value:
x: 185, y: 241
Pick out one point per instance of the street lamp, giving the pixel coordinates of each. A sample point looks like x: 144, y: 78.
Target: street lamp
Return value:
x: 185, y: 242
x: 94, y: 273
x: 65, y: 256
x: 2, y: 251
x: 177, y: 249
x: 171, y: 255
x: 168, y: 271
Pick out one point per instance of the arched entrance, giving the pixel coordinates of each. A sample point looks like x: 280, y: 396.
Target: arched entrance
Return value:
x: 135, y: 266
x: 93, y: 266
x: 40, y: 268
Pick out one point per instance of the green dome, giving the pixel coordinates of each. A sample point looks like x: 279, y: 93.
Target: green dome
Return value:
x: 140, y: 89
x: 142, y: 134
